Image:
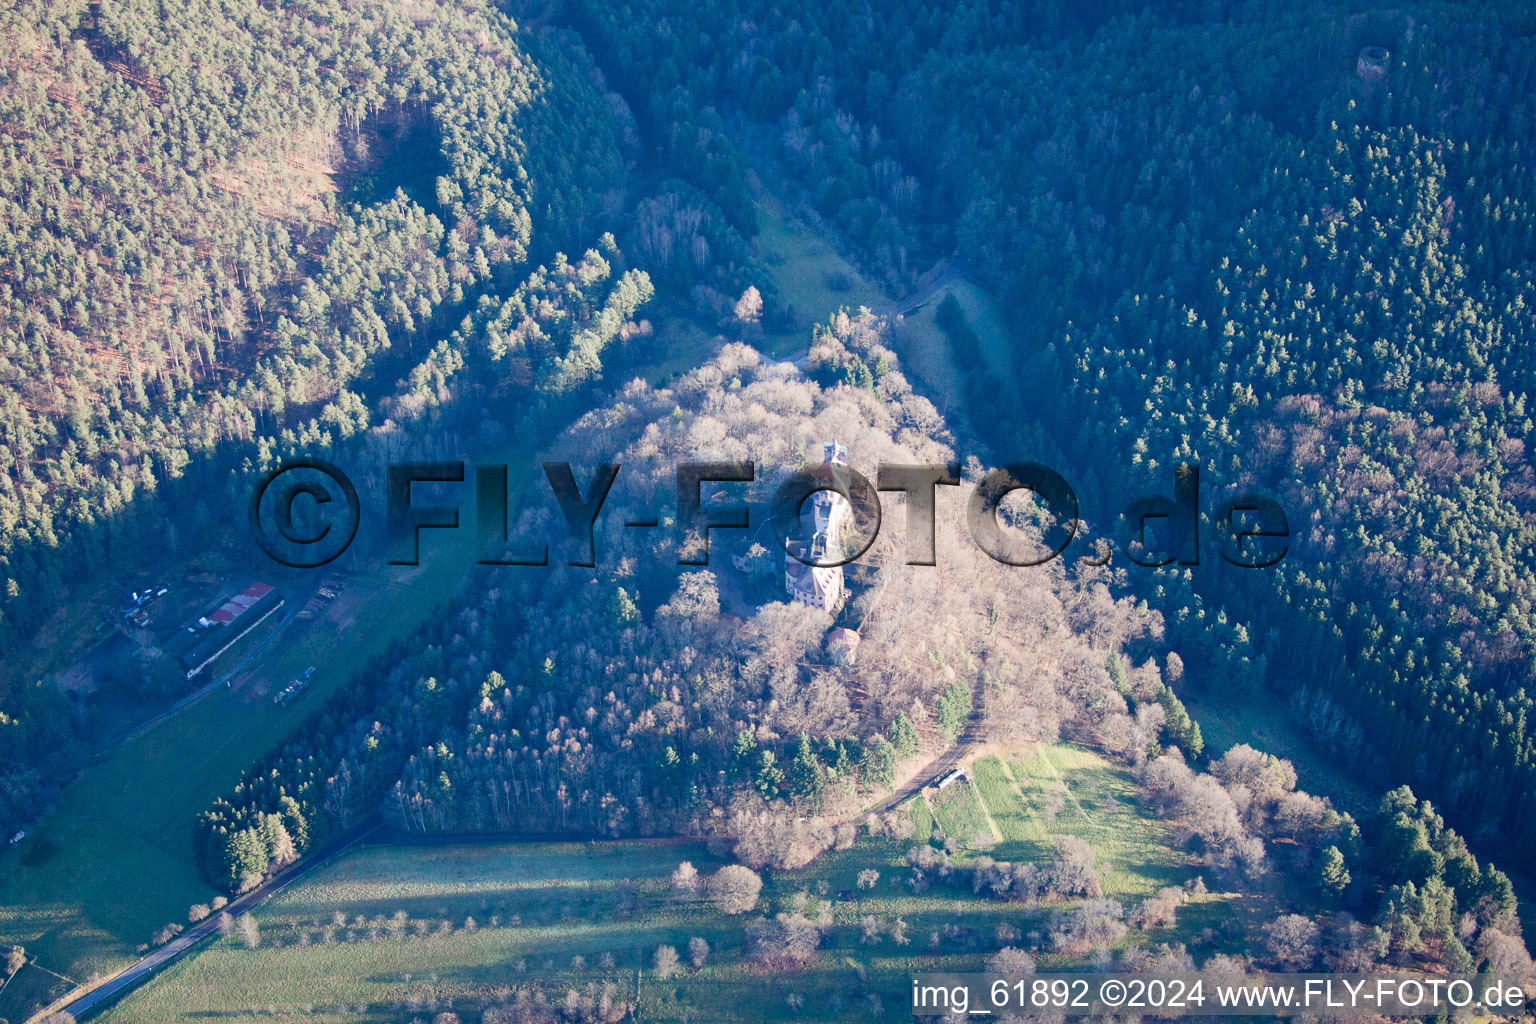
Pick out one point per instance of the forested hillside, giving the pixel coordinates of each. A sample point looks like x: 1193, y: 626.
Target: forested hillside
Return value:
x: 650, y: 699
x: 1293, y: 243
x: 185, y: 261
x: 1229, y: 234
x: 655, y: 699
x: 222, y: 231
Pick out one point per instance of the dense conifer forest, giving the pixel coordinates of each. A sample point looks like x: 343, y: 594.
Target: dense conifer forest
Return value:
x: 206, y: 260
x: 1291, y: 244
x: 1223, y: 234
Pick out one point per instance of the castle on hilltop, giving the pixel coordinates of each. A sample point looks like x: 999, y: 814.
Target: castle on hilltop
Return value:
x: 821, y: 586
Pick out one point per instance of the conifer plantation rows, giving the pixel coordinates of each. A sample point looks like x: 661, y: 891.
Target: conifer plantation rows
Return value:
x: 214, y: 250
x: 208, y: 260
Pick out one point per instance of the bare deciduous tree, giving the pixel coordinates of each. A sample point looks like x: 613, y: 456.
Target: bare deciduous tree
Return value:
x: 685, y: 880
x: 248, y: 931
x: 734, y: 889
x: 1291, y: 940
x: 665, y: 961
x: 1011, y: 963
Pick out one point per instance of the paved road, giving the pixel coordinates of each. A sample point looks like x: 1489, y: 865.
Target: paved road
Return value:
x: 134, y: 975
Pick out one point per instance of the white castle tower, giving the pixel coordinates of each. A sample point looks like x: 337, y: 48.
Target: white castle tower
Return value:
x: 817, y: 585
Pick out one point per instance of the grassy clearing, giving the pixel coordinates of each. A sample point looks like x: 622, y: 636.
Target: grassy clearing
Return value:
x: 961, y: 815
x: 808, y: 272
x: 538, y: 906
x: 1015, y: 817
x: 676, y: 344
x: 922, y: 818
x: 1228, y: 718
x: 1065, y: 789
x: 925, y: 349
x: 1137, y: 851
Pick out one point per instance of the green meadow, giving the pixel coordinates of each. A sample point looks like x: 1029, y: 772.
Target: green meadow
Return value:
x: 395, y: 930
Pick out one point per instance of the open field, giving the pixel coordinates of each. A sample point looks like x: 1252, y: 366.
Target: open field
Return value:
x: 1137, y: 851
x: 329, y: 951
x: 809, y: 273
x: 1065, y: 789
x: 676, y: 344
x: 538, y: 906
x: 1016, y: 818
x: 922, y: 819
x: 114, y: 862
x: 925, y: 349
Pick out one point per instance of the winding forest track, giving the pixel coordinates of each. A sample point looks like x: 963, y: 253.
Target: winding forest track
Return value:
x: 945, y: 762
x: 939, y: 277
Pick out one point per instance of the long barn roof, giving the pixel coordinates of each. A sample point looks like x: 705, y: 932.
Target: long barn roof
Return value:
x: 238, y: 605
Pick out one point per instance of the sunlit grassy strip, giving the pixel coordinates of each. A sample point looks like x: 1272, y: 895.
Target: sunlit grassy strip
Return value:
x: 1015, y: 818
x: 1038, y: 780
x: 993, y: 834
x: 1137, y: 851
x: 229, y: 980
x: 459, y: 877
